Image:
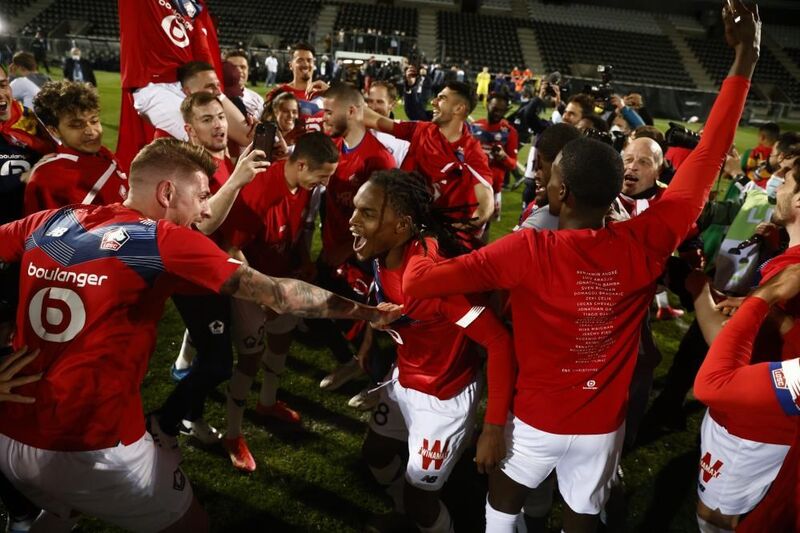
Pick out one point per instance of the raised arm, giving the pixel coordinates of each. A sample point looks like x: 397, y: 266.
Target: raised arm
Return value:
x: 295, y: 297
x: 378, y: 122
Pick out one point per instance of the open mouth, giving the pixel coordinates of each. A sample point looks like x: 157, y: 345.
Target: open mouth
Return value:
x: 630, y: 179
x: 3, y: 106
x: 359, y: 241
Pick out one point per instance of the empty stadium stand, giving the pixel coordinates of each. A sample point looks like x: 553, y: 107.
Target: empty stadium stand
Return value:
x: 292, y: 20
x: 481, y: 39
x: 626, y: 20
x: 101, y: 16
x: 716, y: 58
x: 386, y: 19
x: 634, y: 56
x: 11, y: 8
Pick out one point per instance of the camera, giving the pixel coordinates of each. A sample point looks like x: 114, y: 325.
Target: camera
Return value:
x: 615, y: 139
x: 679, y: 136
x: 603, y: 91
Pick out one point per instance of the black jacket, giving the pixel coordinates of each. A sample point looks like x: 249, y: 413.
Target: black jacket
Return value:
x: 86, y: 68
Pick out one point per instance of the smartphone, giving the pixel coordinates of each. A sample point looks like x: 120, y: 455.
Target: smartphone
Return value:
x: 264, y: 138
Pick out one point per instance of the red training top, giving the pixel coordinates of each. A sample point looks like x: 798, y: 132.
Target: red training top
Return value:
x: 577, y: 341
x: 93, y: 284
x: 73, y: 177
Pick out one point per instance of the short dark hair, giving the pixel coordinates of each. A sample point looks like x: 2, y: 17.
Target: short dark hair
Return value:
x: 302, y: 45
x: 25, y: 60
x: 316, y: 148
x: 344, y: 93
x: 272, y: 101
x: 585, y: 102
x: 391, y: 90
x: 235, y: 53
x: 168, y: 155
x: 553, y: 139
x: 57, y: 98
x: 465, y: 91
x: 592, y: 171
x: 197, y: 99
x: 770, y: 130
x: 787, y: 139
x: 498, y: 96
x: 191, y: 69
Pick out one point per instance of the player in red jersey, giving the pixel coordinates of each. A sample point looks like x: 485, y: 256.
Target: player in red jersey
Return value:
x: 307, y: 92
x: 93, y: 286
x: 266, y: 226
x: 446, y: 154
x: 499, y: 141
x: 427, y: 410
x: 83, y: 171
x: 729, y: 381
x: 360, y: 154
x: 570, y: 401
x: 741, y: 456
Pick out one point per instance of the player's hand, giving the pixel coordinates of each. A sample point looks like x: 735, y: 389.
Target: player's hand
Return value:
x: 729, y: 305
x: 250, y: 163
x: 491, y: 448
x: 386, y: 314
x: 742, y: 26
x: 733, y: 163
x: 9, y: 368
x: 618, y: 103
x: 316, y: 87
x: 783, y: 287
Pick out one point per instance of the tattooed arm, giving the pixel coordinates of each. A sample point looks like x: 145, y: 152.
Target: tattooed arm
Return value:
x: 295, y: 297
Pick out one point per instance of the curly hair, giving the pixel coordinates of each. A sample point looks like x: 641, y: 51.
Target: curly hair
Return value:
x: 408, y: 194
x: 59, y: 98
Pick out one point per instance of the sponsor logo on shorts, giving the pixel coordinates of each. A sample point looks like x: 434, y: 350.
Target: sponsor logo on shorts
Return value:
x: 435, y: 453
x: 178, y: 480
x: 56, y: 232
x: 429, y: 479
x: 779, y: 379
x: 115, y: 239
x: 708, y: 470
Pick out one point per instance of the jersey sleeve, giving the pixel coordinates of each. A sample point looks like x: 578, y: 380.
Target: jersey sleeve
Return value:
x: 14, y: 234
x: 192, y: 256
x: 512, y: 149
x: 48, y: 189
x: 664, y: 225
x: 502, y: 264
x: 404, y: 129
x: 478, y: 164
x: 727, y: 381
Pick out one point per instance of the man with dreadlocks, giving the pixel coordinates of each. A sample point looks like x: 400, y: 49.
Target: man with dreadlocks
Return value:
x: 427, y: 409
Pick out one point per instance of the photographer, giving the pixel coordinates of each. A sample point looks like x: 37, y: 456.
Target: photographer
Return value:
x: 499, y: 141
x: 416, y: 93
x: 636, y: 102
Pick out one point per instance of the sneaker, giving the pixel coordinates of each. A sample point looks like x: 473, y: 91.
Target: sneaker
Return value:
x: 200, y: 430
x: 178, y: 374
x: 364, y: 400
x: 341, y: 375
x: 164, y: 441
x: 239, y: 453
x: 280, y: 411
x: 668, y: 313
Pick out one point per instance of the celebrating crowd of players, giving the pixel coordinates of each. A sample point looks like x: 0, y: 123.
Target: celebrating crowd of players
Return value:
x: 221, y: 220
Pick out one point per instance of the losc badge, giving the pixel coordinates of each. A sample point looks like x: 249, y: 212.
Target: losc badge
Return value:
x: 114, y: 239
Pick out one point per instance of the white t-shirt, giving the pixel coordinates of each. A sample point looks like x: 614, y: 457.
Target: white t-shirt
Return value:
x: 253, y: 103
x: 24, y: 90
x: 272, y: 64
x: 397, y: 147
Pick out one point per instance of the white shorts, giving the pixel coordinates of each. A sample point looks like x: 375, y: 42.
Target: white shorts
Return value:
x: 161, y: 104
x: 249, y: 324
x: 735, y: 473
x: 436, y: 430
x: 585, y: 464
x: 387, y: 419
x: 137, y: 487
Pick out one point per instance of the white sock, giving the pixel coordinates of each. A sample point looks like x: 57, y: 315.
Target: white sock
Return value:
x: 391, y: 478
x: 497, y: 522
x: 443, y: 523
x: 707, y: 527
x: 187, y: 353
x: 237, y: 400
x: 662, y: 301
x: 273, y: 364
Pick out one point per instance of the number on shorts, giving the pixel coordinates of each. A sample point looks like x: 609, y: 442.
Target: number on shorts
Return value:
x: 381, y: 414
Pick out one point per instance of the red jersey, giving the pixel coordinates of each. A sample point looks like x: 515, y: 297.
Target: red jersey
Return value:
x: 501, y: 134
x: 310, y: 113
x: 73, y: 177
x: 93, y: 284
x: 435, y: 349
x: 728, y: 381
x: 266, y: 221
x: 224, y: 168
x: 355, y: 167
x: 576, y: 342
x: 451, y: 168
x: 156, y: 39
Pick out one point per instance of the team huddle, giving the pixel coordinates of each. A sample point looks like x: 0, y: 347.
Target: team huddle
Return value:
x: 212, y: 200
